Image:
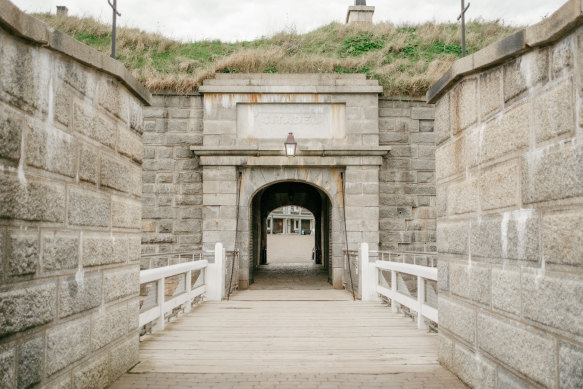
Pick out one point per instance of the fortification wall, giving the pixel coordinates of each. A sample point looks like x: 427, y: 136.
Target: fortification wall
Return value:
x: 172, y: 177
x: 509, y: 203
x: 70, y: 211
x: 407, y: 176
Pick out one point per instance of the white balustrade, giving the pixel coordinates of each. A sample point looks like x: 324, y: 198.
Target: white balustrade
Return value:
x: 156, y: 314
x: 370, y: 288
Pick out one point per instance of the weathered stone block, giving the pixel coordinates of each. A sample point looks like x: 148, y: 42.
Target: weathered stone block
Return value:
x: 89, y: 164
x: 113, y: 99
x: 116, y: 174
x: 124, y: 357
x: 18, y: 75
x: 500, y: 186
x: 570, y: 365
x: 50, y: 149
x: 94, y: 374
x: 67, y: 344
x: 87, y: 122
x: 562, y: 58
x: 423, y: 113
x: 463, y: 197
x: 30, y: 362
x: 22, y: 253
x: 445, y: 351
x: 41, y: 201
x: 465, y: 105
x: 443, y: 275
x: 88, y: 208
x: 450, y: 159
x: 554, y: 112
x: 524, y: 349
x: 60, y: 250
x: 130, y: 145
x: 7, y: 365
x: 63, y: 105
x: 78, y: 294
x: 475, y: 371
x: 443, y: 119
x: 561, y: 237
x: 553, y: 300
x: 491, y: 99
x: 62, y: 382
x: 109, y: 326
x: 471, y: 282
x: 553, y: 175
x: 452, y: 238
x: 458, y: 319
x: 507, y: 134
x: 509, y: 381
x: 126, y: 213
x: 506, y: 290
x: 104, y: 249
x: 12, y: 124
x: 28, y: 307
x: 525, y: 72
x: 121, y: 283
x: 133, y: 314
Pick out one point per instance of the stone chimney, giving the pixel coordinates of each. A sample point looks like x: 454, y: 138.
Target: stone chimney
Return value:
x: 360, y: 13
x: 62, y: 10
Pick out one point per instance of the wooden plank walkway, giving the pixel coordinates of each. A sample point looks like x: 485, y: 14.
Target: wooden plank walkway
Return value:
x: 290, y: 339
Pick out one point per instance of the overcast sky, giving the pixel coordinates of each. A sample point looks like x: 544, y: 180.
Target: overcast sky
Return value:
x: 232, y: 20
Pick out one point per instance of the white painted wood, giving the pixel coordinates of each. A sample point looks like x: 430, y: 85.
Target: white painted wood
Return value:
x: 369, y: 278
x: 420, y: 302
x: 215, y: 275
x: 151, y: 275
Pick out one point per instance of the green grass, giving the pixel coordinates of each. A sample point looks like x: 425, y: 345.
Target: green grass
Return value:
x: 406, y: 60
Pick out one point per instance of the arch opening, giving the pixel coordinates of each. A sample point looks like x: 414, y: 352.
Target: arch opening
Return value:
x: 313, y: 227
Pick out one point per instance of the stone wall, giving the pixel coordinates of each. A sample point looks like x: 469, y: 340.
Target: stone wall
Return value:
x: 70, y: 185
x: 172, y: 178
x: 407, y: 177
x: 510, y: 220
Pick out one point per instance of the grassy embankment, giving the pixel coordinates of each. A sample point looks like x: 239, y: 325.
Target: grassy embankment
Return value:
x: 406, y: 60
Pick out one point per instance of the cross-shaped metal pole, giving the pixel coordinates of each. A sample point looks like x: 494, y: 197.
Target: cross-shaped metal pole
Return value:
x: 463, y: 18
x: 113, y: 26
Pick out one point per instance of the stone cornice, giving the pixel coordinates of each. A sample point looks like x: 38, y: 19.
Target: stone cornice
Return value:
x: 551, y: 29
x: 31, y: 29
x: 369, y: 151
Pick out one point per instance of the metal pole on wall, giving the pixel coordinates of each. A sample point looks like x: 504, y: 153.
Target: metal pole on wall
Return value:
x: 463, y: 18
x: 113, y: 26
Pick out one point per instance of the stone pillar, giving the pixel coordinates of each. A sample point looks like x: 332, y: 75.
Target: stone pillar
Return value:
x: 70, y: 210
x: 360, y: 13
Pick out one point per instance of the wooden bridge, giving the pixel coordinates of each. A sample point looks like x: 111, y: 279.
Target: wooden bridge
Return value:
x: 305, y: 336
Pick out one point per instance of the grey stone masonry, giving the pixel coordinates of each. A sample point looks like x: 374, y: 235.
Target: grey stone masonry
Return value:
x: 407, y: 177
x: 509, y: 165
x: 70, y: 157
x: 172, y: 177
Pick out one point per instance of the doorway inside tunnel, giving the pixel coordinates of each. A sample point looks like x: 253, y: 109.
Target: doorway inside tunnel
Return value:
x: 290, y: 237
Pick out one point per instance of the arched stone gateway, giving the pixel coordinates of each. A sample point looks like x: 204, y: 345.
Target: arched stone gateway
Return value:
x: 245, y: 172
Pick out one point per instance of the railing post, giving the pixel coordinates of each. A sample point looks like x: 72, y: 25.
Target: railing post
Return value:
x: 188, y: 290
x: 395, y: 306
x: 420, y: 301
x: 368, y: 275
x: 160, y: 323
x: 215, y: 275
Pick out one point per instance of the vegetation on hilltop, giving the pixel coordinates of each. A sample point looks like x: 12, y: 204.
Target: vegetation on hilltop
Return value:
x: 406, y: 60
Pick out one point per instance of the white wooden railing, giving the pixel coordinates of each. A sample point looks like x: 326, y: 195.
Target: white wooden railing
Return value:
x: 212, y: 288
x: 371, y: 289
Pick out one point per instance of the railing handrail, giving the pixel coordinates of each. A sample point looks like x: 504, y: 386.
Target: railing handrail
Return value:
x: 156, y: 274
x: 403, y: 252
x: 426, y: 272
x: 170, y: 254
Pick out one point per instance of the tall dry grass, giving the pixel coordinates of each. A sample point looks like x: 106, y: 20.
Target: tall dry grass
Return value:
x: 406, y: 59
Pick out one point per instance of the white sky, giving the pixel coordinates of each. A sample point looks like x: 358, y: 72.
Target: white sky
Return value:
x: 233, y: 20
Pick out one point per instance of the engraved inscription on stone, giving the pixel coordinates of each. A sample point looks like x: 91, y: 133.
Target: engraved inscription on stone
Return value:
x: 275, y: 121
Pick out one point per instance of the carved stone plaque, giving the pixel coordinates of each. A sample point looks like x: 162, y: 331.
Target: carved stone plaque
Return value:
x: 306, y: 121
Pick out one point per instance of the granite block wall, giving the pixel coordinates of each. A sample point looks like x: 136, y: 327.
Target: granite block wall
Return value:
x: 172, y: 177
x: 407, y: 177
x: 70, y: 210
x: 510, y: 221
